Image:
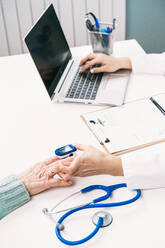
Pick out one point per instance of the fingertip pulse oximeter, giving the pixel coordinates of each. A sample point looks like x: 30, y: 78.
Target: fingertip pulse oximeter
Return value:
x: 65, y: 151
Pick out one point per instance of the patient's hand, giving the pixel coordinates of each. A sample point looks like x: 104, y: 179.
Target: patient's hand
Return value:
x: 40, y: 177
x: 107, y: 63
x: 90, y: 162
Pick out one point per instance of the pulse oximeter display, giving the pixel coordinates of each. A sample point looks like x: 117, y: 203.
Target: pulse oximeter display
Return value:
x: 65, y: 151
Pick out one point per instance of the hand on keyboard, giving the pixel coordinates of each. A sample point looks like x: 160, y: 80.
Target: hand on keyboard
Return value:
x: 85, y: 85
x: 91, y: 76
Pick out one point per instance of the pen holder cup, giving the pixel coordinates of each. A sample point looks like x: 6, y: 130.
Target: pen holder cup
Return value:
x: 102, y: 41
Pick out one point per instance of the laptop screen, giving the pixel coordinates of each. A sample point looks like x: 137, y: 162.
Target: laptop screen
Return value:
x: 49, y: 49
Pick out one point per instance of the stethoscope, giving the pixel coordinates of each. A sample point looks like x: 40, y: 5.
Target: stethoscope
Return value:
x: 100, y: 218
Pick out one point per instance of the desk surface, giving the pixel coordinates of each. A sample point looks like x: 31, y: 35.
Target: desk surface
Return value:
x: 30, y: 125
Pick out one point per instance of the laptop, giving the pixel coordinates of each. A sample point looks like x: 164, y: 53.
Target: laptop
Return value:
x: 60, y: 71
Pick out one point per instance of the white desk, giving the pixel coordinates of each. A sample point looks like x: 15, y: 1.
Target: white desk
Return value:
x: 30, y: 131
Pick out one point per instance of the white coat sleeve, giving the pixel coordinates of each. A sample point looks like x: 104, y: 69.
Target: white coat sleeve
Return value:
x: 145, y: 168
x: 149, y: 63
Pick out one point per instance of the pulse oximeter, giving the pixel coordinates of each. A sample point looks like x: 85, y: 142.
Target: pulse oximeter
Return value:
x: 65, y: 151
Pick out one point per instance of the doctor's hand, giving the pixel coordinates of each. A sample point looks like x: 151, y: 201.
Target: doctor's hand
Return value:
x: 40, y: 177
x: 90, y: 162
x: 107, y: 63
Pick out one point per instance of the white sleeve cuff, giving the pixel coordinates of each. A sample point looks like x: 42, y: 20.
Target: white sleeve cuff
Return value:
x: 151, y: 63
x: 145, y: 169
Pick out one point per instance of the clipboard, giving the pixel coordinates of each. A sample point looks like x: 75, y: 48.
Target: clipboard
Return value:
x: 144, y: 125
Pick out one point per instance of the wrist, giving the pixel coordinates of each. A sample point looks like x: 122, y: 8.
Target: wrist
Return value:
x: 125, y: 63
x: 25, y: 182
x: 113, y: 165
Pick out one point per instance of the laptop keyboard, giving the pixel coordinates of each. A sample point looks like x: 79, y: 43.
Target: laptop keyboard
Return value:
x: 84, y: 85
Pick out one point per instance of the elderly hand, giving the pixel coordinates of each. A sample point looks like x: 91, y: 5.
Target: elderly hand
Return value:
x: 108, y: 63
x: 41, y: 176
x: 91, y: 162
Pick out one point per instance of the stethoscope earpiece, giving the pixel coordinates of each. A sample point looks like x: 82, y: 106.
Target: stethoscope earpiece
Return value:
x: 45, y: 211
x: 58, y: 225
x: 91, y: 27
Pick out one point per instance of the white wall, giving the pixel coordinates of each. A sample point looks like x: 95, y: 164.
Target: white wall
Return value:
x: 17, y: 17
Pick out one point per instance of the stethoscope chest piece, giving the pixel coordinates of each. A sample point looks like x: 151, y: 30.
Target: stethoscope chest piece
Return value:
x: 106, y: 217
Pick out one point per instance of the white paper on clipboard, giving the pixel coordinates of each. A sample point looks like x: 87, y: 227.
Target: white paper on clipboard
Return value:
x: 131, y: 125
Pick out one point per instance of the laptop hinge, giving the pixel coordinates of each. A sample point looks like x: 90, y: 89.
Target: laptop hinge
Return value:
x: 63, y: 78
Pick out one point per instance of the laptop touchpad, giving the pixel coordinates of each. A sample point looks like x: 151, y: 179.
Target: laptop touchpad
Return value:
x: 112, y: 90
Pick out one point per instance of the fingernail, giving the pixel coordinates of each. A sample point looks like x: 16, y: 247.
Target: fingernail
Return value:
x: 92, y: 71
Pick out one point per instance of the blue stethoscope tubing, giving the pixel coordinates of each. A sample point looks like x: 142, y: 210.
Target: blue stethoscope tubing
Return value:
x: 108, y: 190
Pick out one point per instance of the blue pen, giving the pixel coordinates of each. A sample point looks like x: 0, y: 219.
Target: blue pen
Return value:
x: 109, y: 30
x: 105, y: 37
x: 97, y: 24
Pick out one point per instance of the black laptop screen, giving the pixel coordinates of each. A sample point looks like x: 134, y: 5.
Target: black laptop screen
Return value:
x: 49, y: 49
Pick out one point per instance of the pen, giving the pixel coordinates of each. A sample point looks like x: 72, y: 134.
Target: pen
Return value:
x: 105, y: 37
x: 114, y: 23
x: 109, y: 30
x: 97, y: 24
x: 157, y: 105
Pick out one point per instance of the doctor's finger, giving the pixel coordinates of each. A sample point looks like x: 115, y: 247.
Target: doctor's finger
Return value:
x: 66, y: 173
x: 50, y: 160
x: 63, y: 172
x: 52, y: 169
x: 82, y: 147
x: 98, y: 69
x: 67, y: 160
x: 89, y: 64
x: 65, y: 177
x: 87, y: 58
x: 56, y: 167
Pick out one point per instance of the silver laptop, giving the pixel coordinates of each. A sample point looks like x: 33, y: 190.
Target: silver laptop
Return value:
x: 61, y: 73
